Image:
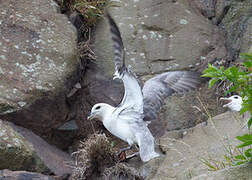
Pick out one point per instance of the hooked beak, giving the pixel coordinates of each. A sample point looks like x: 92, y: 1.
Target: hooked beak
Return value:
x: 226, y: 101
x: 91, y: 116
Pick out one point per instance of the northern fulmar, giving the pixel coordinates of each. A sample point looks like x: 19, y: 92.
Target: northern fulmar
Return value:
x: 234, y: 103
x: 129, y: 120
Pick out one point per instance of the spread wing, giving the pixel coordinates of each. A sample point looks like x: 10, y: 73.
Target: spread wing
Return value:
x: 158, y: 88
x: 132, y: 102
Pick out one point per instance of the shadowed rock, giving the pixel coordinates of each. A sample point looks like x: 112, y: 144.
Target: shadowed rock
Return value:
x: 22, y: 175
x: 23, y: 150
x: 161, y: 36
x: 37, y: 64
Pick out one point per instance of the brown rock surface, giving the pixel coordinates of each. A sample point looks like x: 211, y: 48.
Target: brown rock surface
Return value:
x: 22, y: 175
x: 23, y: 150
x: 184, y: 151
x: 159, y: 36
x: 37, y: 64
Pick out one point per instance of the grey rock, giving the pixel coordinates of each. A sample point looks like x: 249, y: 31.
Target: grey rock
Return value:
x: 22, y: 175
x: 184, y: 149
x: 37, y: 64
x: 23, y: 150
x: 209, y: 142
x: 16, y: 153
x: 242, y: 172
x: 69, y: 125
x: 204, y: 7
x: 237, y: 24
x: 159, y: 36
x: 221, y: 9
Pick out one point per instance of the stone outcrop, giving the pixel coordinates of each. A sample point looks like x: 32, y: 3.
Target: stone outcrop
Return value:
x: 39, y: 67
x: 185, y: 150
x: 16, y: 153
x: 204, y: 7
x: 237, y: 23
x: 232, y: 173
x: 159, y: 36
x: 22, y: 175
x: 38, y: 63
x: 234, y: 17
x: 183, y: 153
x: 20, y: 149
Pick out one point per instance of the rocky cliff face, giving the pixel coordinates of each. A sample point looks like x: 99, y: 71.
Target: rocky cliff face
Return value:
x: 161, y: 36
x: 43, y: 85
x: 20, y: 149
x: 38, y: 62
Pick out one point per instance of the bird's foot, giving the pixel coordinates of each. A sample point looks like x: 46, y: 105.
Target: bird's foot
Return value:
x: 122, y: 154
x: 123, y: 157
x: 132, y: 155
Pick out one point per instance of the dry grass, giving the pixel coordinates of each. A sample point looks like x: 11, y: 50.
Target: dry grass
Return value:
x: 92, y: 157
x: 91, y: 10
x: 122, y: 171
x: 84, y: 50
x: 230, y: 150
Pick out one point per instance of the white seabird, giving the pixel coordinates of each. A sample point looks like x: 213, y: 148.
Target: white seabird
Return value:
x: 234, y: 103
x: 128, y: 120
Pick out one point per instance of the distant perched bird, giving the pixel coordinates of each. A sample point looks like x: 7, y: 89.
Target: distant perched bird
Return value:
x: 234, y: 103
x: 126, y: 120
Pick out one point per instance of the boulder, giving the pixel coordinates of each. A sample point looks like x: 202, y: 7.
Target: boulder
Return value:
x: 22, y: 175
x: 185, y: 111
x: 183, y: 153
x: 186, y: 150
x: 38, y: 62
x: 204, y: 7
x: 159, y: 36
x: 234, y: 17
x: 221, y: 9
x: 20, y: 149
x: 232, y: 173
x: 237, y: 23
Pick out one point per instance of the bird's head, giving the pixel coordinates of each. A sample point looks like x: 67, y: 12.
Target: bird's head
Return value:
x: 234, y: 102
x: 100, y: 110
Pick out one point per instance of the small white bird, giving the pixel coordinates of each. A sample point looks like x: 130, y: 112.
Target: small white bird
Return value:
x: 130, y: 118
x: 234, y: 103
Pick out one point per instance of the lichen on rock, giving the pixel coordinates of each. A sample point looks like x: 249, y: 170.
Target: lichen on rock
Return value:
x: 38, y: 61
x: 16, y: 153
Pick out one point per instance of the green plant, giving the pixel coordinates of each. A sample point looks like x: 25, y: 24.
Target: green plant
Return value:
x: 91, y: 10
x: 240, y: 79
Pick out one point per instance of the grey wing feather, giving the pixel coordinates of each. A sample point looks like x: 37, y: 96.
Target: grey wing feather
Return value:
x: 146, y: 143
x: 158, y: 88
x: 133, y: 98
x: 119, y: 58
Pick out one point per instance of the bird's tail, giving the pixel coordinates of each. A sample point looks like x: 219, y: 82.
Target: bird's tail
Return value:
x: 146, y: 145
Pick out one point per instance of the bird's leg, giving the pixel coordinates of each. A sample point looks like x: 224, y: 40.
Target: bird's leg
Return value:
x: 132, y: 155
x: 122, y: 155
x: 126, y: 148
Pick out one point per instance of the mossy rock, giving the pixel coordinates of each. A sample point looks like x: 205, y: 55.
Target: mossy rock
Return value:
x: 16, y: 153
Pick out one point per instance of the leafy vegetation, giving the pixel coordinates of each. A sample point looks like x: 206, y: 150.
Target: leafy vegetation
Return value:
x: 240, y: 79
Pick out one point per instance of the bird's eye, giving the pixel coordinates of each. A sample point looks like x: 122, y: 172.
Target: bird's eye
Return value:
x: 236, y: 97
x: 98, y: 107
